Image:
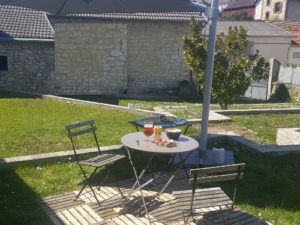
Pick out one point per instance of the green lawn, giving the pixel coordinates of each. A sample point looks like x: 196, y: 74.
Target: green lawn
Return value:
x: 266, y: 125
x: 271, y: 188
x: 31, y: 126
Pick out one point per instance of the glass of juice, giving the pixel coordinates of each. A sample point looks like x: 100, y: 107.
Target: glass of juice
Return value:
x: 148, y: 130
x: 157, y: 131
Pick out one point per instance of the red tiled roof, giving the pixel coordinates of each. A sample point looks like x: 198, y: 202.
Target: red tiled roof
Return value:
x: 290, y: 26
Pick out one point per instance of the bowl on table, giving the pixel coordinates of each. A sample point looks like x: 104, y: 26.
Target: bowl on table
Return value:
x: 173, y: 133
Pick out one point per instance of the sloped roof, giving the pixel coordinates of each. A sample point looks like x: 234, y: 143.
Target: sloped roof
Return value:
x: 18, y: 22
x: 290, y: 26
x: 27, y: 18
x: 169, y: 16
x: 255, y: 28
x: 65, y: 7
x: 238, y: 4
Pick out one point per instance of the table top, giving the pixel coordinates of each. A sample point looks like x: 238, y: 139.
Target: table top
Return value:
x: 137, y: 141
x: 164, y: 124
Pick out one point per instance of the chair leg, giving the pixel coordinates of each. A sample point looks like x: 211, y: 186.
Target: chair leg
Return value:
x: 87, y: 182
x: 114, y: 181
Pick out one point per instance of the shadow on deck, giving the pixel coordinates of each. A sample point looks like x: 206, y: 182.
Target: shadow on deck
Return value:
x: 62, y: 209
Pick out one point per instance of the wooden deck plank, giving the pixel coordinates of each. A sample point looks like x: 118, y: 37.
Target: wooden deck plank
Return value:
x: 94, y: 215
x: 70, y: 217
x: 86, y: 215
x: 63, y: 218
x: 78, y: 216
x: 163, y: 209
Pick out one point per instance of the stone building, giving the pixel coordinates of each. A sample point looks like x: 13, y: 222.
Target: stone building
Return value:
x: 111, y: 48
x: 26, y: 49
x: 280, y: 10
x: 100, y: 47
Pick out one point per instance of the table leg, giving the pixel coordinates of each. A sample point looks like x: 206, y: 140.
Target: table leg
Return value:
x: 186, y: 129
x: 138, y: 183
x: 144, y: 170
x: 174, y: 173
x: 186, y: 172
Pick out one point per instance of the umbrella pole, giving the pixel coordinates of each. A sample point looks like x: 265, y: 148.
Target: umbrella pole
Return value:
x: 213, y: 14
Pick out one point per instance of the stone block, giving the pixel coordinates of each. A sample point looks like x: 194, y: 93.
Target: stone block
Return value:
x: 288, y: 136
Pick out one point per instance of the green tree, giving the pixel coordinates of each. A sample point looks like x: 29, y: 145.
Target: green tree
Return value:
x: 233, y: 69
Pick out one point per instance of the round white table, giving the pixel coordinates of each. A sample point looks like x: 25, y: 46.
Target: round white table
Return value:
x: 137, y: 141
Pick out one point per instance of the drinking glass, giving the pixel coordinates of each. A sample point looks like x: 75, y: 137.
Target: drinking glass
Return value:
x: 157, y: 131
x: 148, y: 130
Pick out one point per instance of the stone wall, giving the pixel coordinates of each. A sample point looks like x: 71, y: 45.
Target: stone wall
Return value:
x: 90, y: 58
x: 271, y: 10
x: 30, y: 65
x: 114, y: 57
x: 155, y: 56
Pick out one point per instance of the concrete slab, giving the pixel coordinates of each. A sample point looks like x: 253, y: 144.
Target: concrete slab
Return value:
x: 288, y: 136
x: 204, y: 159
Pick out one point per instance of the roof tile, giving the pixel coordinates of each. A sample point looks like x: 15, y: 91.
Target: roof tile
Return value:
x: 18, y: 22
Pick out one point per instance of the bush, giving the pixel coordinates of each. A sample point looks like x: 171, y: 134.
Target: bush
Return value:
x: 281, y: 94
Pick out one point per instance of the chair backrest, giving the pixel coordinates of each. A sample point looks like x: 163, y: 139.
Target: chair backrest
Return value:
x: 217, y: 173
x: 80, y: 130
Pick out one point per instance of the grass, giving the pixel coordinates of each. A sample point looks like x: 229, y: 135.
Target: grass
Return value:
x: 265, y: 125
x: 270, y: 189
x: 31, y: 126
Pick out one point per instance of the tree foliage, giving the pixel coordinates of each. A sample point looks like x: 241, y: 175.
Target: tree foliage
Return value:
x: 234, y: 70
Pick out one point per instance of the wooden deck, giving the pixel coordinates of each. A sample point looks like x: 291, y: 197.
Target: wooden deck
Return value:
x: 115, y: 210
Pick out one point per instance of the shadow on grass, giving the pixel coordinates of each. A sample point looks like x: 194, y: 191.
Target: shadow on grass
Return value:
x: 269, y: 181
x: 19, y: 203
x: 11, y: 94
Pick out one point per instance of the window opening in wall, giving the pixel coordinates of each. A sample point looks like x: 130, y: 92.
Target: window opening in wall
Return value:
x: 277, y: 7
x: 267, y: 15
x: 296, y: 54
x: 3, y: 63
x: 268, y: 2
x: 249, y: 50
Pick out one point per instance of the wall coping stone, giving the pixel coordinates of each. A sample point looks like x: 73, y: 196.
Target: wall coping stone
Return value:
x: 63, y: 156
x: 257, y: 111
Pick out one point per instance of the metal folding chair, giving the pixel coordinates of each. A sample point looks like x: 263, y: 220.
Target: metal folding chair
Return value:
x: 96, y: 162
x: 200, y: 201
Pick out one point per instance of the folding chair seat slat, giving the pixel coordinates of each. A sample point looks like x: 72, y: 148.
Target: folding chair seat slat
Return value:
x: 100, y: 161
